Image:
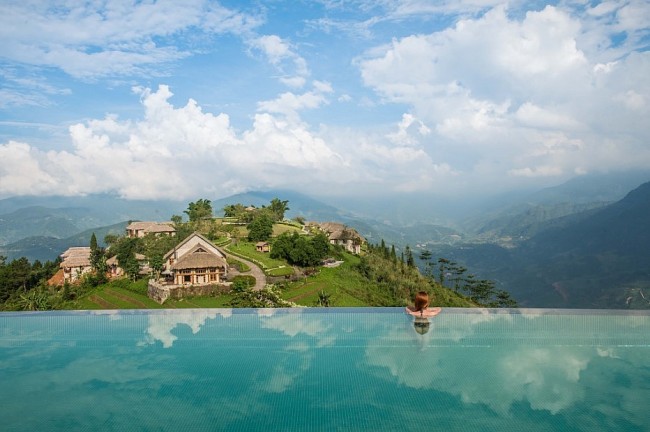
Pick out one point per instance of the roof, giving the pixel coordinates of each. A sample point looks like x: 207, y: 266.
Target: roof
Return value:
x: 151, y: 227
x: 113, y: 260
x: 198, y: 258
x: 338, y: 231
x: 76, y: 257
x: 262, y: 243
x: 187, y: 240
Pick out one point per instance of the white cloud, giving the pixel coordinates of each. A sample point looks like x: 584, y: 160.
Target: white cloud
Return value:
x: 498, y: 91
x: 21, y: 172
x: 89, y: 40
x: 162, y: 323
x: 408, y: 127
x: 281, y: 55
x: 183, y: 152
x: 172, y: 152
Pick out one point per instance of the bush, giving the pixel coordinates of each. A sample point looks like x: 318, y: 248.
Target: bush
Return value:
x: 243, y: 282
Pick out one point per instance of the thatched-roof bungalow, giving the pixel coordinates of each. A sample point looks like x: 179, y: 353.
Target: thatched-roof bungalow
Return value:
x: 75, y: 263
x: 140, y: 229
x: 195, y: 261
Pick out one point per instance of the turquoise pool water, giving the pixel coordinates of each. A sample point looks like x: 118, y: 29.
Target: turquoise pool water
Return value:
x: 325, y: 369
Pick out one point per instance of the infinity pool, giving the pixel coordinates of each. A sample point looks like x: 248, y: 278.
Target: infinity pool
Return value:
x: 325, y: 369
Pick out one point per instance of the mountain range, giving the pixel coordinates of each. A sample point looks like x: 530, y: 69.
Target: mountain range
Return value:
x: 580, y: 244
x: 598, y: 258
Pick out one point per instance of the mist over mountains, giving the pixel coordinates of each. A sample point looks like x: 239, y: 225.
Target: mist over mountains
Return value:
x: 580, y: 244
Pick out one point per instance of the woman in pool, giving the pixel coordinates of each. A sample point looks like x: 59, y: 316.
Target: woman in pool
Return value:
x: 421, y: 307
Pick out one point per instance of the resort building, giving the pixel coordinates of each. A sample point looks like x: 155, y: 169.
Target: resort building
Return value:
x: 263, y: 247
x: 339, y: 234
x: 140, y: 229
x: 75, y: 263
x: 195, y: 261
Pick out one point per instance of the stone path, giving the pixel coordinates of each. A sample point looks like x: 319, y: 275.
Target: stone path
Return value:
x: 255, y: 271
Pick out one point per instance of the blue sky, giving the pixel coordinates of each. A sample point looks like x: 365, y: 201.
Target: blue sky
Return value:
x: 201, y: 98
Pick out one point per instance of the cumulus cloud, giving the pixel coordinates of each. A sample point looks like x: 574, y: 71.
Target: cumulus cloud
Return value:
x: 522, y: 95
x: 161, y: 324
x: 184, y: 152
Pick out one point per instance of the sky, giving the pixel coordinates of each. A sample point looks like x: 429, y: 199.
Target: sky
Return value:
x: 182, y: 100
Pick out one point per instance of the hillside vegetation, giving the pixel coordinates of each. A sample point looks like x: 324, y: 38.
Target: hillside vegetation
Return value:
x: 294, y: 268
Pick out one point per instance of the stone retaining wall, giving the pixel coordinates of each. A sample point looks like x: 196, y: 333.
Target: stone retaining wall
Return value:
x: 159, y: 292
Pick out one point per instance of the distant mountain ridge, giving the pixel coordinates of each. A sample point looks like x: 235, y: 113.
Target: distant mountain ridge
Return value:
x: 597, y: 259
x: 526, y: 215
x: 45, y: 248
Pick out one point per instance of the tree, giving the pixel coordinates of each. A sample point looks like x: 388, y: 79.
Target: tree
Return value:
x: 442, y: 268
x: 234, y: 210
x: 428, y: 264
x: 323, y: 299
x: 321, y: 245
x: 503, y: 300
x: 111, y: 239
x: 260, y: 229
x: 300, y: 250
x: 156, y: 263
x: 97, y: 258
x: 278, y: 208
x: 409, y: 256
x: 200, y: 210
x: 125, y: 251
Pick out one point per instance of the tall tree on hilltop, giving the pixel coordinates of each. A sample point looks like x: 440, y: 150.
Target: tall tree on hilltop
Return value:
x: 125, y: 251
x: 97, y: 258
x: 200, y: 210
x: 260, y: 229
x: 278, y: 208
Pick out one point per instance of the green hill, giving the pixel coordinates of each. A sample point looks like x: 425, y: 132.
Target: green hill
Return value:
x: 44, y: 248
x: 596, y: 259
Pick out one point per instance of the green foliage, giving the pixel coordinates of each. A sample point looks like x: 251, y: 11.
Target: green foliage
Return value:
x: 280, y: 271
x: 199, y: 210
x: 275, y: 211
x: 242, y: 283
x: 482, y: 291
x: 97, y: 257
x: 264, y: 298
x: 19, y: 276
x: 239, y: 265
x: 260, y: 229
x: 125, y: 249
x: 34, y: 300
x: 300, y: 250
x: 323, y: 299
x: 278, y: 208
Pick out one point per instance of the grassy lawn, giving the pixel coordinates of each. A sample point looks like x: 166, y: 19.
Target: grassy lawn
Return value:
x: 346, y: 287
x: 283, y: 228
x: 247, y: 249
x: 281, y: 271
x: 115, y: 296
x: 124, y: 294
